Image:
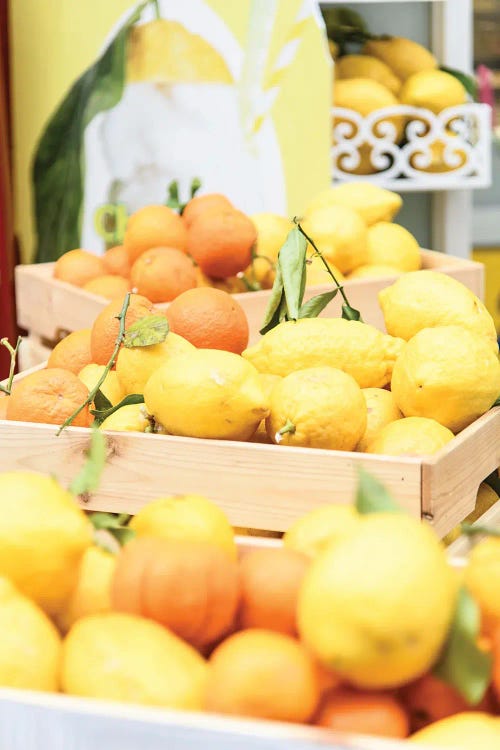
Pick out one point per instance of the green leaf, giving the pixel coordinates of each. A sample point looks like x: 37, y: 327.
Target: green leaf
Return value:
x: 123, y: 536
x: 272, y: 314
x: 496, y: 403
x: 173, y: 196
x: 115, y: 524
x: 468, y: 82
x: 350, y: 313
x: 292, y: 264
x: 146, y: 332
x: 59, y: 157
x: 372, y: 496
x: 87, y: 480
x: 313, y: 307
x: 463, y: 664
x: 195, y: 186
x: 102, y: 403
x: 102, y: 414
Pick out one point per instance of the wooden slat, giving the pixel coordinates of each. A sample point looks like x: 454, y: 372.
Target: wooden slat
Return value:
x: 461, y: 547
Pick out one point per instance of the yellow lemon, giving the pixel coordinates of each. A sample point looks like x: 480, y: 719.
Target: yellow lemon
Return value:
x: 231, y: 285
x: 119, y: 657
x: 268, y: 382
x: 129, y: 418
x: 43, y: 536
x: 376, y: 607
x: 190, y: 517
x: 318, y: 275
x: 381, y: 410
x: 261, y: 271
x: 411, y: 436
x: 434, y: 90
x: 365, y: 66
x: 371, y: 202
x: 340, y: 234
x: 207, y: 393
x: 424, y: 299
x: 393, y: 245
x: 403, y: 56
x: 272, y: 231
x: 91, y: 595
x: 448, y: 374
x: 482, y: 578
x: 356, y: 348
x: 470, y: 729
x: 111, y: 387
x: 320, y: 528
x: 319, y: 407
x: 364, y: 96
x: 30, y: 646
x: 135, y: 366
x: 373, y: 271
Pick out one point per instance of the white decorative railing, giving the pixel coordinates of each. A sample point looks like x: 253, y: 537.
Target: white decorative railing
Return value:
x: 397, y: 153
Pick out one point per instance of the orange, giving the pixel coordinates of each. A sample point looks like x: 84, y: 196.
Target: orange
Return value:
x: 162, y: 273
x: 154, y: 226
x: 50, y: 397
x: 221, y: 243
x: 72, y: 352
x: 270, y: 581
x: 107, y: 326
x: 190, y: 587
x: 211, y: 202
x: 78, y: 266
x: 263, y: 674
x: 108, y: 286
x: 378, y: 714
x: 116, y: 261
x: 209, y: 319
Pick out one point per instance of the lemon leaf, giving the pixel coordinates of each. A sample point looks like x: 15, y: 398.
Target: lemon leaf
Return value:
x: 272, y: 314
x: 87, y: 480
x: 292, y: 263
x: 372, y: 496
x: 463, y: 664
x: 313, y: 307
x: 173, y: 196
x: 146, y: 332
x: 350, y: 313
x: 101, y: 403
x: 115, y: 524
x: 497, y: 402
x: 102, y: 414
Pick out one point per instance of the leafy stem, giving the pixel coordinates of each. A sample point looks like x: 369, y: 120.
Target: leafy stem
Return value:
x: 92, y: 394
x: 13, y: 350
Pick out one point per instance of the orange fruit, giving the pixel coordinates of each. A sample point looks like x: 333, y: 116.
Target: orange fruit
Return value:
x: 263, y: 674
x: 154, y: 226
x: 190, y: 587
x: 78, y: 266
x: 200, y: 204
x: 270, y: 580
x: 116, y: 261
x: 49, y: 396
x: 209, y: 319
x: 106, y: 326
x: 378, y: 714
x: 162, y: 273
x: 221, y: 242
x: 108, y: 286
x: 72, y: 352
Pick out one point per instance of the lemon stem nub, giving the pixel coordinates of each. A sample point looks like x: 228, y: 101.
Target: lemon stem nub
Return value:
x: 288, y: 427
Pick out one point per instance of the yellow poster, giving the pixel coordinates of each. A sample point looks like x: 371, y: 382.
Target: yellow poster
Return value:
x: 114, y: 101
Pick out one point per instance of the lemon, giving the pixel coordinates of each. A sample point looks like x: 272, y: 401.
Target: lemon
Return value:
x: 403, y: 56
x: 374, y: 271
x: 376, y: 606
x: 207, y: 393
x: 30, y: 647
x: 356, y: 348
x: 365, y: 66
x: 424, y: 299
x: 91, y: 594
x: 135, y: 366
x: 111, y: 387
x: 190, y: 517
x: 482, y: 578
x: 371, y: 202
x: 381, y: 410
x: 411, y: 436
x: 340, y: 234
x: 334, y: 48
x: 272, y: 231
x: 319, y: 407
x: 262, y: 271
x: 120, y: 657
x: 43, y: 536
x: 364, y: 96
x: 318, y: 275
x: 268, y: 382
x: 320, y: 528
x: 434, y: 90
x: 470, y: 729
x: 166, y: 52
x: 129, y: 418
x: 393, y: 245
x: 448, y: 374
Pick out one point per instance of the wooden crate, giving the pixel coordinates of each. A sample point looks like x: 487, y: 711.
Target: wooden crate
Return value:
x: 51, y: 308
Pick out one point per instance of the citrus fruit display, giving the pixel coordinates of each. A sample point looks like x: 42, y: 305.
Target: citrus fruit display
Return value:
x: 72, y: 352
x: 162, y: 273
x: 108, y: 286
x: 78, y: 267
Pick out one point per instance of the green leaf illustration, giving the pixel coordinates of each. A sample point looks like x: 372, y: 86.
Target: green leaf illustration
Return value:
x: 58, y: 174
x: 146, y: 332
x: 102, y: 414
x: 372, y: 496
x: 87, y: 480
x: 313, y: 307
x: 463, y: 664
